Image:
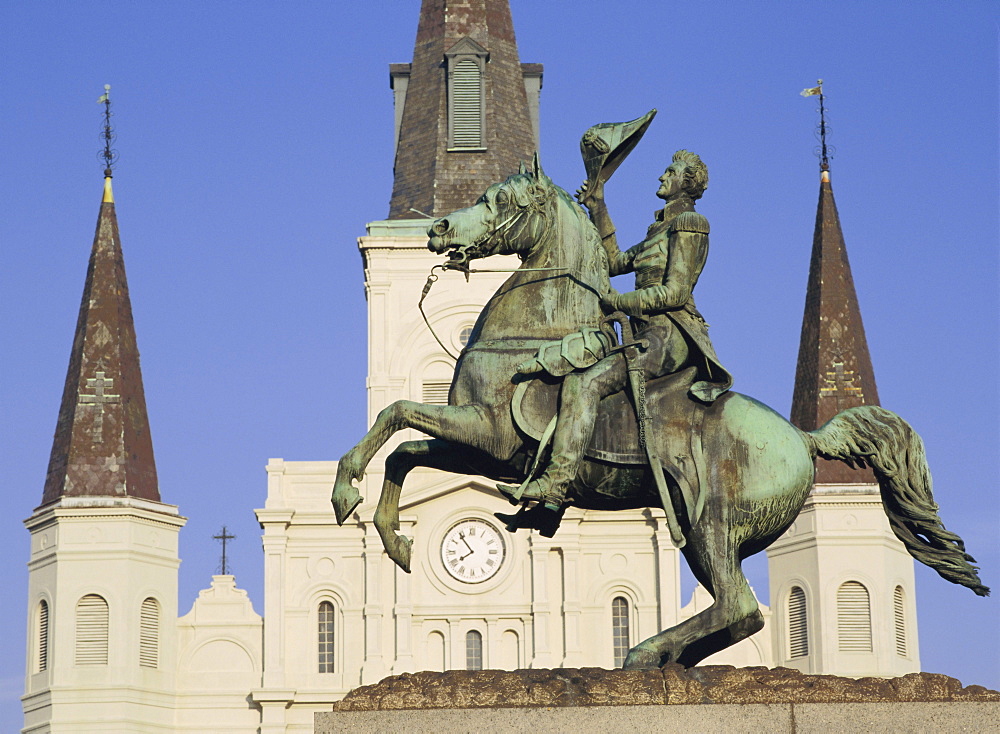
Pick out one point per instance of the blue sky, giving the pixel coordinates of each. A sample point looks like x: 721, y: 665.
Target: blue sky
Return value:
x: 256, y: 142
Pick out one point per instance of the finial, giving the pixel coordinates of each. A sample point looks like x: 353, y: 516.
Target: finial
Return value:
x: 224, y: 536
x: 109, y: 155
x: 823, y: 151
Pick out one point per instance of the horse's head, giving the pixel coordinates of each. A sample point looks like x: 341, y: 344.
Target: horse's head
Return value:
x: 509, y: 218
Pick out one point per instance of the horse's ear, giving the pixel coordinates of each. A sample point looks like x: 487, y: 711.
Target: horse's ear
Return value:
x: 537, y: 165
x: 524, y: 167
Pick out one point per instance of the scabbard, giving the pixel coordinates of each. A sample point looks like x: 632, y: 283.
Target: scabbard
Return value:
x: 637, y: 382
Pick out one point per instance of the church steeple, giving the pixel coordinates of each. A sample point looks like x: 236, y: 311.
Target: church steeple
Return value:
x: 834, y: 369
x: 466, y: 108
x: 102, y: 445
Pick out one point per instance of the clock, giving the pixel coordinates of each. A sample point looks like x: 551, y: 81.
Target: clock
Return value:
x: 472, y: 551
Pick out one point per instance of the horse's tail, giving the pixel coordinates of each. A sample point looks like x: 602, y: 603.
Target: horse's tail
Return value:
x: 872, y: 436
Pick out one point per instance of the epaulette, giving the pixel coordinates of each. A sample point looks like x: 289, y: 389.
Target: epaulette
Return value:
x: 689, y: 222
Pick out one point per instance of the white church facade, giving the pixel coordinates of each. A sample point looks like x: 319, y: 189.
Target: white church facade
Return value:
x: 108, y: 650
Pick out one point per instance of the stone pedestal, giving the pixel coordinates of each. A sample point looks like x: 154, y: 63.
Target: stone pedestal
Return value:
x: 710, y: 698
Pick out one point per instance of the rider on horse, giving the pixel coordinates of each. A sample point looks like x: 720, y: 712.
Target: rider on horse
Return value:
x: 666, y: 265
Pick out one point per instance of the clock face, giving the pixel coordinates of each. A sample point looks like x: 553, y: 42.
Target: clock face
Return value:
x: 472, y: 551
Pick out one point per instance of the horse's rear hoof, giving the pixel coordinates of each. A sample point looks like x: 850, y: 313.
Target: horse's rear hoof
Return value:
x: 640, y: 659
x: 345, y: 502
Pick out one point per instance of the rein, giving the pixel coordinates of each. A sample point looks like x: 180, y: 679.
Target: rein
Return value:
x: 434, y: 277
x: 460, y: 261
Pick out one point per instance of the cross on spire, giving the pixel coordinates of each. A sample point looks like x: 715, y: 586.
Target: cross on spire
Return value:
x: 224, y: 536
x: 98, y: 383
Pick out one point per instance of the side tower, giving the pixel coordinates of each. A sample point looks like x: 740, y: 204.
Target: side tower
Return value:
x: 102, y: 580
x: 842, y: 586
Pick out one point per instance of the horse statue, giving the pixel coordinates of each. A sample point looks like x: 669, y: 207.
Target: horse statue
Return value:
x: 757, y: 470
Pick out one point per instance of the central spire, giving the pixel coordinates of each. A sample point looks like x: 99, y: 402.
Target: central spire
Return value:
x: 466, y: 108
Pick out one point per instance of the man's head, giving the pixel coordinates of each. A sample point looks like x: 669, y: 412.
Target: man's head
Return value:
x: 686, y: 173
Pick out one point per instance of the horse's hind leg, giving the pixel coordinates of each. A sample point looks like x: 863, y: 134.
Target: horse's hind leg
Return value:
x: 734, y: 616
x: 433, y: 453
x: 462, y: 424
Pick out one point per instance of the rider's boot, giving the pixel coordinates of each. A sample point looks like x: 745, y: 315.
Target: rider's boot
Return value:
x: 573, y: 431
x: 539, y: 518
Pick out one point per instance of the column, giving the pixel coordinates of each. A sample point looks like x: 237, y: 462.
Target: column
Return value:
x: 572, y: 609
x: 541, y: 613
x: 403, y: 613
x: 374, y: 668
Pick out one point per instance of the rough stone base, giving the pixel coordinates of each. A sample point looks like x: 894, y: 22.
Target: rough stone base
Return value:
x: 710, y: 698
x: 803, y: 718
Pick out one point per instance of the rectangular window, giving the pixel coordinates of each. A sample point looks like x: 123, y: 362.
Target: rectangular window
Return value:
x: 326, y: 651
x: 473, y: 650
x: 620, y: 629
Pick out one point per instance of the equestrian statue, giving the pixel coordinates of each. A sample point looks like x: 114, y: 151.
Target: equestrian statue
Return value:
x: 569, y: 393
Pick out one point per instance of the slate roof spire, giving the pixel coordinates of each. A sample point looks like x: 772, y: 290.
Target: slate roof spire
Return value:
x: 102, y: 446
x: 834, y: 369
x: 464, y: 118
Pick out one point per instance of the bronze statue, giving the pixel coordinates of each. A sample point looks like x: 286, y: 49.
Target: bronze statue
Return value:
x: 730, y: 473
x: 667, y: 265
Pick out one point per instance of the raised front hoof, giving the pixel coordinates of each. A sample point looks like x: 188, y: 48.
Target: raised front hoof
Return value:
x: 345, y: 501
x: 400, y: 551
x: 641, y: 659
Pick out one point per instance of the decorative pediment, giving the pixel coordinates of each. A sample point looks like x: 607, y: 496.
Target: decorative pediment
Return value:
x: 467, y: 47
x: 450, y: 485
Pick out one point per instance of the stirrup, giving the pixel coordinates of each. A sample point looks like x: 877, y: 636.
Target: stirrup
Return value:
x: 516, y: 496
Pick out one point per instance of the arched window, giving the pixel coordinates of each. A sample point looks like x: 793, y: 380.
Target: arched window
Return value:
x: 43, y: 636
x: 325, y: 639
x: 620, y: 629
x: 149, y: 634
x: 798, y: 627
x: 510, y: 651
x: 854, y: 618
x: 898, y: 609
x: 92, y: 631
x: 473, y: 650
x: 436, y: 655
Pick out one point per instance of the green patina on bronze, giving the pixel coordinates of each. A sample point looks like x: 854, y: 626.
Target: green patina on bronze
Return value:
x: 735, y: 474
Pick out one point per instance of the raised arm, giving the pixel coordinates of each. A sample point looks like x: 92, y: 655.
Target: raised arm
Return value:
x: 593, y: 198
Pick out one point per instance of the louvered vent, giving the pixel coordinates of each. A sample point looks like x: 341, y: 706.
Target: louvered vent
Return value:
x: 43, y: 635
x: 897, y: 603
x: 467, y: 105
x: 436, y: 392
x: 854, y: 619
x: 798, y: 628
x: 92, y: 631
x: 149, y: 634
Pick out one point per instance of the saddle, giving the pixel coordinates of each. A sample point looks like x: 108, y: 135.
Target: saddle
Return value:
x: 677, y: 420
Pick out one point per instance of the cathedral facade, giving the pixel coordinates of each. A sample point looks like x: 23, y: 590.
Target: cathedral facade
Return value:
x: 107, y: 646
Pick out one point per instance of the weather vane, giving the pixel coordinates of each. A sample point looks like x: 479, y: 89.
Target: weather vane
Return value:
x: 824, y: 152
x: 224, y: 537
x: 109, y: 154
